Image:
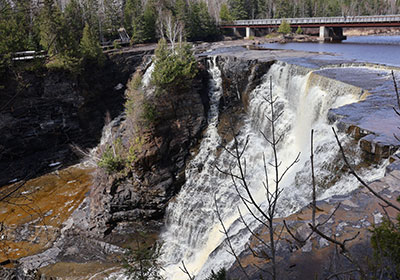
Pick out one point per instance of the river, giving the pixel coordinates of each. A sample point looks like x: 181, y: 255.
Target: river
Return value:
x: 373, y: 49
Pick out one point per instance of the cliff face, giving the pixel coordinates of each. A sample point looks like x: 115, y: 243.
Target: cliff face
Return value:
x: 138, y: 197
x: 239, y: 78
x: 43, y: 112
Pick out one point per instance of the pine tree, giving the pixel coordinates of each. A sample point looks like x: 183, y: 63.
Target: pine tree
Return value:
x: 193, y: 23
x: 199, y: 24
x: 237, y: 9
x: 51, y: 27
x: 134, y: 20
x: 181, y: 11
x: 91, y: 11
x: 284, y: 28
x: 113, y: 18
x: 90, y: 48
x: 73, y: 25
x: 174, y: 69
x: 14, y: 26
x: 208, y: 27
x: 149, y: 22
x: 224, y: 13
x: 252, y: 8
x: 284, y: 9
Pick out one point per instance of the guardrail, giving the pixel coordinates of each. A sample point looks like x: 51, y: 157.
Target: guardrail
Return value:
x: 316, y: 20
x: 28, y: 55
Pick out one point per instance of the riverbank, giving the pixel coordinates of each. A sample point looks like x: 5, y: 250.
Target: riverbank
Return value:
x: 367, y: 31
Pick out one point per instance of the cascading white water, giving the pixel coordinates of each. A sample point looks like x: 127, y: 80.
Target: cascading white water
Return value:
x: 195, y: 199
x: 192, y: 233
x: 147, y: 75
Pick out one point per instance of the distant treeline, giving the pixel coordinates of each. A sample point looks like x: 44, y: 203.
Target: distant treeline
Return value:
x: 253, y: 9
x: 53, y: 25
x: 57, y: 25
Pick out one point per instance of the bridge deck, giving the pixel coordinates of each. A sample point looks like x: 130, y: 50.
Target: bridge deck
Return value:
x: 353, y: 21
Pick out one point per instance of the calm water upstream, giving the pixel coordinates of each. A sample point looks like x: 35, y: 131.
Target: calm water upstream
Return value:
x: 374, y: 49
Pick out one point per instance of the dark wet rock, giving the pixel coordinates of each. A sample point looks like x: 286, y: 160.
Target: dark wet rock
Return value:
x: 140, y: 197
x: 43, y: 113
x: 372, y: 121
x: 239, y: 78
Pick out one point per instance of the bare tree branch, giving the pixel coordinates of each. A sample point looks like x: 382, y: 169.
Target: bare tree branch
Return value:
x: 184, y: 270
x: 359, y: 178
x: 228, y: 238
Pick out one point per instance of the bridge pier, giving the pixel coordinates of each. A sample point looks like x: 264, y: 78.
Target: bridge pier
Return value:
x: 236, y: 32
x: 249, y: 32
x: 331, y: 34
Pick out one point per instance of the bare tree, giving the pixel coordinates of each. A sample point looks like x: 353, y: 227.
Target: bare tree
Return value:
x: 169, y: 27
x: 272, y: 187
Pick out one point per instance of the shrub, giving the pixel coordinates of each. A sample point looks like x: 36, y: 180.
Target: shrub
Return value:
x: 271, y: 35
x: 134, y: 149
x: 116, y: 44
x: 111, y: 160
x: 385, y: 242
x: 136, y: 81
x: 299, y: 30
x: 149, y: 114
x: 65, y: 63
x: 133, y: 94
x: 284, y: 28
x: 220, y: 275
x: 174, y: 68
x: 142, y: 261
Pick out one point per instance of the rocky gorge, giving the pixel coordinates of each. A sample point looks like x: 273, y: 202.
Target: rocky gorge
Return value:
x: 120, y: 204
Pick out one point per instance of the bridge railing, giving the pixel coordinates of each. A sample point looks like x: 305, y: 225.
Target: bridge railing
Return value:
x: 28, y: 55
x: 316, y: 20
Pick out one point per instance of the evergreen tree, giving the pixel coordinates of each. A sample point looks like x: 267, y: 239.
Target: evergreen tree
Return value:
x: 237, y: 9
x: 208, y: 27
x: 220, y: 275
x: 193, y: 23
x: 8, y: 40
x: 149, y: 22
x: 264, y: 9
x: 173, y: 69
x: 284, y: 9
x: 73, y: 25
x: 134, y: 20
x: 181, y: 10
x: 142, y: 261
x: 91, y: 11
x: 90, y: 48
x: 199, y: 24
x: 51, y: 27
x: 284, y: 28
x: 15, y: 27
x: 112, y: 18
x: 224, y: 13
x: 251, y: 8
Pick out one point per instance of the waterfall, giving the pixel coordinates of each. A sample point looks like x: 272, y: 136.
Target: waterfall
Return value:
x: 199, y: 173
x: 192, y: 231
x: 147, y: 75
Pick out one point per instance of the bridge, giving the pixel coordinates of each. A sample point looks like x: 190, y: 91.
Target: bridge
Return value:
x: 331, y: 28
